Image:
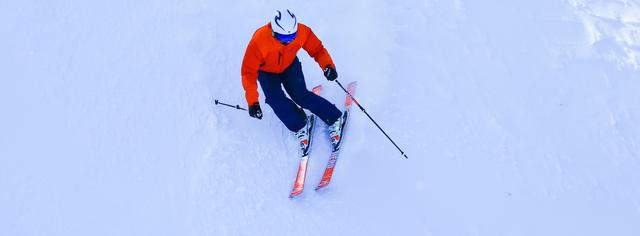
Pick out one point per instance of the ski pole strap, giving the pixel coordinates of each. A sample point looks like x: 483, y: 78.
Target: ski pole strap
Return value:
x: 370, y: 118
x: 228, y: 105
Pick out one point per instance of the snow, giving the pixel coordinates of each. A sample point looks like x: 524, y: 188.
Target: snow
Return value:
x: 519, y: 118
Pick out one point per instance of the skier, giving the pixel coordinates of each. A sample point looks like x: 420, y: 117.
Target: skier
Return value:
x: 271, y: 59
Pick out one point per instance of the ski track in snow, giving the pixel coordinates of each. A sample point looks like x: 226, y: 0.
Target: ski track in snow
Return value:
x: 519, y: 118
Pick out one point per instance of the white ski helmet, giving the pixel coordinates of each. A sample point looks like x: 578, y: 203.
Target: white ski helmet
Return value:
x: 284, y: 22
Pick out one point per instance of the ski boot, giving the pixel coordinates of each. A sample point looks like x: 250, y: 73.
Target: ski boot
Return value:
x: 335, y: 132
x: 303, y: 135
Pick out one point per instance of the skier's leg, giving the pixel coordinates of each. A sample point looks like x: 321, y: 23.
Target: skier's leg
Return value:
x: 297, y: 89
x: 288, y: 112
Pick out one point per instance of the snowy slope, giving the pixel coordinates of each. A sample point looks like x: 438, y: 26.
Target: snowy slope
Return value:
x: 519, y: 118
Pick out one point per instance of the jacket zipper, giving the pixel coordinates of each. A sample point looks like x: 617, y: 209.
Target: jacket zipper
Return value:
x: 279, y: 56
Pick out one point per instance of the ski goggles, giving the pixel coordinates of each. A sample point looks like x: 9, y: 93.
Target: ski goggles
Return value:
x: 285, y: 38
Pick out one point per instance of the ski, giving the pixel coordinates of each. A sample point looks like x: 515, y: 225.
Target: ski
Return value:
x: 298, y: 184
x: 328, y: 172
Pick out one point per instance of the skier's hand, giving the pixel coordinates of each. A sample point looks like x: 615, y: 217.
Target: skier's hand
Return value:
x: 255, y: 111
x: 331, y: 73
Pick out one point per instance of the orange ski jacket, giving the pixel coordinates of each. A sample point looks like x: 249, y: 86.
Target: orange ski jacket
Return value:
x: 266, y: 53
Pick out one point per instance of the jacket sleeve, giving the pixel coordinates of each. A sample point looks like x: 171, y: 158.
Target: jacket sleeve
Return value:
x: 314, y: 47
x: 250, y: 66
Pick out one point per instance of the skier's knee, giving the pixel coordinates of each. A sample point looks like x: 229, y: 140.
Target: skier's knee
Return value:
x: 302, y: 99
x: 275, y: 100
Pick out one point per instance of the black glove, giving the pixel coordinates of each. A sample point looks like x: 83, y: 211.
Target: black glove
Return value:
x: 331, y: 73
x: 255, y: 111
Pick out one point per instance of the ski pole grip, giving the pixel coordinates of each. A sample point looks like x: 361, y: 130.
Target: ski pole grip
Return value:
x: 216, y: 101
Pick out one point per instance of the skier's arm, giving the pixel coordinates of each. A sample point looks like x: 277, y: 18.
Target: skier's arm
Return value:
x: 250, y: 66
x: 314, y: 47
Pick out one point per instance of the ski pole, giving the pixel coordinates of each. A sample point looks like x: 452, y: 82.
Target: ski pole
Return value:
x: 374, y: 122
x: 232, y: 106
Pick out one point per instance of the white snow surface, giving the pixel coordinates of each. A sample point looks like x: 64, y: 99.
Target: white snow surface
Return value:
x: 519, y: 118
